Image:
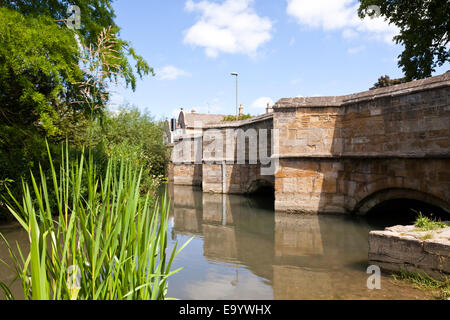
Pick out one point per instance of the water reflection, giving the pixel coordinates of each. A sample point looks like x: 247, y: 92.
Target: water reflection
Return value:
x: 250, y: 252
x: 243, y: 250
x: 15, y: 234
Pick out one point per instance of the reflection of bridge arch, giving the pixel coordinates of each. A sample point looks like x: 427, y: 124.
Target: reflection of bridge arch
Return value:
x: 369, y: 202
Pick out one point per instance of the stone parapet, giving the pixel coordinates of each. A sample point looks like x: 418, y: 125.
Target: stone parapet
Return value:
x: 408, y: 88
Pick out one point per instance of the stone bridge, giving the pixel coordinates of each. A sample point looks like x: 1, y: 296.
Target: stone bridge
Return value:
x: 338, y: 154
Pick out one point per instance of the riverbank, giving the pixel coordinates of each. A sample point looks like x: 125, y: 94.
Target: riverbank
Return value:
x: 417, y: 254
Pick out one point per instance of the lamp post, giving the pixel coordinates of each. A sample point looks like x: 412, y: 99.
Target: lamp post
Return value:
x: 237, y: 97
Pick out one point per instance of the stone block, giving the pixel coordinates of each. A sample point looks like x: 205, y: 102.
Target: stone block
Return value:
x: 403, y: 247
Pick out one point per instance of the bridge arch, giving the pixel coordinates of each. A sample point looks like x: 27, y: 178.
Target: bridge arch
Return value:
x: 371, y: 201
x: 261, y: 185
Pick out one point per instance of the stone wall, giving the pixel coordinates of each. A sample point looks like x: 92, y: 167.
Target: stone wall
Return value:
x: 335, y: 152
x: 242, y: 172
x: 239, y: 179
x: 197, y: 158
x: 404, y: 248
x: 185, y: 174
x: 408, y: 120
x: 343, y: 185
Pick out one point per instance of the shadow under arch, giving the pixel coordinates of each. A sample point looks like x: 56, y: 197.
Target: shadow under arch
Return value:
x: 397, y: 195
x: 398, y: 206
x: 261, y: 186
x: 375, y: 199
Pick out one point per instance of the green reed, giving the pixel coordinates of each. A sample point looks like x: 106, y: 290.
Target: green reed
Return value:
x: 102, y: 241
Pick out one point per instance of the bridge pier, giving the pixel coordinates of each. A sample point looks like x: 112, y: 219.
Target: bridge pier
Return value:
x: 239, y: 178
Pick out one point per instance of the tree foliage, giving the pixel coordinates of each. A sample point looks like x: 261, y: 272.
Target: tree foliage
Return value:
x: 47, y: 73
x: 424, y: 26
x: 386, y: 81
x: 95, y: 16
x: 137, y: 137
x: 38, y: 69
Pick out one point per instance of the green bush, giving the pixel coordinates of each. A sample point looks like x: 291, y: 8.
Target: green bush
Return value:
x: 135, y: 137
x: 21, y: 151
x: 129, y: 135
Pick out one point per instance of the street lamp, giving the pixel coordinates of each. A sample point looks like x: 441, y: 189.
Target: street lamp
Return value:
x: 237, y: 91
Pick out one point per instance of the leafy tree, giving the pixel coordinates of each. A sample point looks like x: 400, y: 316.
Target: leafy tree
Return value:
x: 41, y: 80
x: 387, y: 82
x: 38, y: 69
x: 424, y: 27
x: 40, y: 62
x: 95, y: 16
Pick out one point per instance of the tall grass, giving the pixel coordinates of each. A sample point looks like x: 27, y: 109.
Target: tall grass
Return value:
x: 440, y: 288
x: 103, y: 241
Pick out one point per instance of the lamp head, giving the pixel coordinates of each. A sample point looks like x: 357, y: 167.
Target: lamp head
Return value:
x: 234, y: 74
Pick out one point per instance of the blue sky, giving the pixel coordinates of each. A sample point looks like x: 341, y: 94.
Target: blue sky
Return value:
x: 282, y: 48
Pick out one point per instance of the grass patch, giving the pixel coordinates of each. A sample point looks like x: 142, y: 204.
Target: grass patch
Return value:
x: 427, y: 236
x: 233, y: 118
x: 428, y: 224
x: 439, y: 288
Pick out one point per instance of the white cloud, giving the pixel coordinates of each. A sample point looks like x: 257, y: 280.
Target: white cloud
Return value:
x: 342, y: 15
x: 261, y: 103
x: 355, y: 50
x: 292, y: 42
x: 228, y: 27
x: 170, y: 73
x: 296, y: 81
x: 349, y: 34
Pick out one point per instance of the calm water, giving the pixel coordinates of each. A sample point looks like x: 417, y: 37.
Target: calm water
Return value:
x: 243, y: 250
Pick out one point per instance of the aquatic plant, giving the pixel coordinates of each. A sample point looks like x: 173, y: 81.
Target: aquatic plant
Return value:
x: 104, y: 241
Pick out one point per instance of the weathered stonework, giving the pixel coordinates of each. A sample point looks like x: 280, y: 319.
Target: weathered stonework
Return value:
x: 239, y: 179
x: 404, y: 248
x: 336, y: 154
x: 185, y: 174
x: 348, y: 153
x: 218, y: 145
x: 347, y: 185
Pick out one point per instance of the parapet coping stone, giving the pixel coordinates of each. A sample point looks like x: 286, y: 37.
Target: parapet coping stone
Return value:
x: 239, y: 123
x: 338, y: 101
x: 409, y: 249
x: 439, y: 235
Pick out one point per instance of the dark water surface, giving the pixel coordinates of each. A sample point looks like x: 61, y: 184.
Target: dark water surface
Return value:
x: 242, y: 249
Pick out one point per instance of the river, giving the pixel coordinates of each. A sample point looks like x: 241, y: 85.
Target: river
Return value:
x: 242, y: 249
